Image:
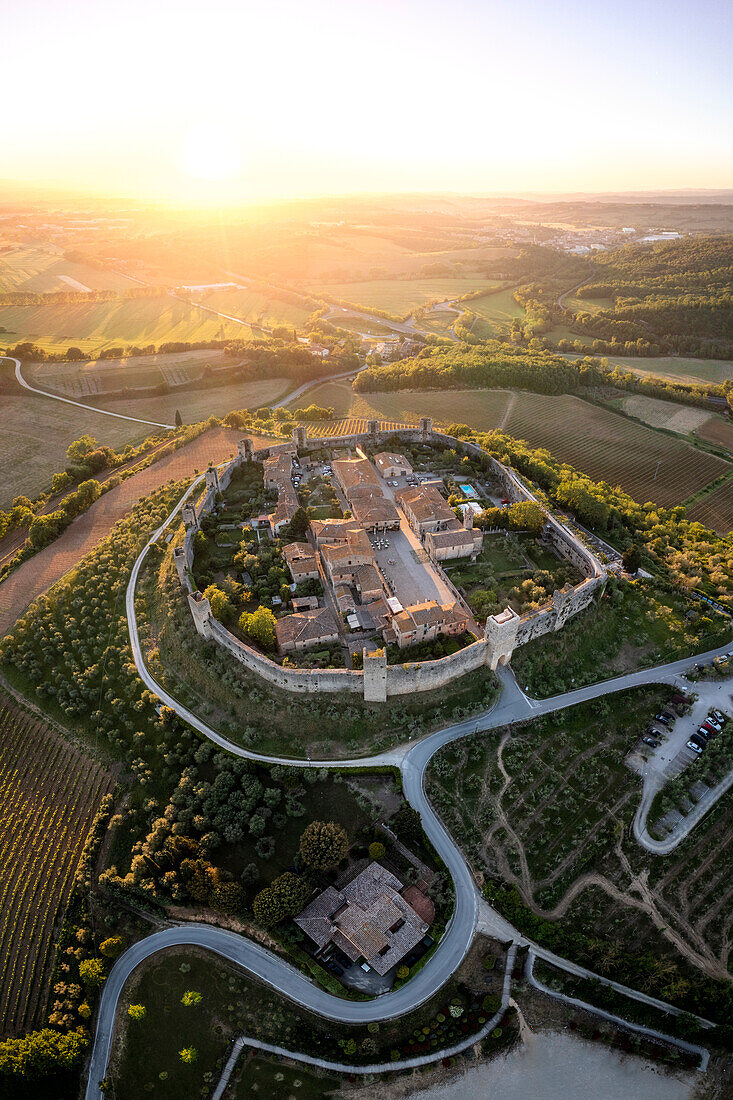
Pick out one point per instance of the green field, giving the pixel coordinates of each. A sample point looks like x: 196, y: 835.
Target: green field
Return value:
x: 254, y: 306
x: 675, y: 367
x: 83, y: 379
x: 495, y: 312
x: 587, y: 305
x: 94, y: 326
x: 44, y: 271
x: 402, y: 296
x: 197, y: 404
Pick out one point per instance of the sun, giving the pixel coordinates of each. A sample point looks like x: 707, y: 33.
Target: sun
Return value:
x: 210, y: 152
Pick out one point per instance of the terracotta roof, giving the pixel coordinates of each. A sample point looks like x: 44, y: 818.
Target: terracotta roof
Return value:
x: 353, y: 473
x: 305, y: 627
x: 385, y: 459
x: 426, y: 504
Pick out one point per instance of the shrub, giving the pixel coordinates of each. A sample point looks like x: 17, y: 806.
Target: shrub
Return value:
x: 191, y: 997
x: 377, y: 850
x: 323, y: 844
x: 188, y: 1055
x: 137, y: 1012
x: 113, y: 947
x: 91, y: 972
x: 403, y: 972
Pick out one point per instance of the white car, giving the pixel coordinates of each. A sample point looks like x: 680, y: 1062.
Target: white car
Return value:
x: 695, y: 748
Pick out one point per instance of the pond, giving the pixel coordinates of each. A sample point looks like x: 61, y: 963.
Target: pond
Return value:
x: 560, y: 1066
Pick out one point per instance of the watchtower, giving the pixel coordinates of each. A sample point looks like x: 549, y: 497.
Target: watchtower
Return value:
x: 375, y: 675
x: 300, y: 436
x: 212, y: 479
x: 501, y: 637
x: 426, y: 427
x: 190, y: 519
x: 246, y: 449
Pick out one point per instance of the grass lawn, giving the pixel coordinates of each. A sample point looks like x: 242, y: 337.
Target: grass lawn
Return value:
x: 260, y: 1078
x: 402, y: 296
x: 634, y: 626
x: 93, y: 326
x: 233, y: 1004
x: 497, y: 311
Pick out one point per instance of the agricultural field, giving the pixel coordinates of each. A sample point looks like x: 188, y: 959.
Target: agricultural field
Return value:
x: 94, y: 326
x: 553, y: 800
x: 202, y: 402
x: 256, y: 307
x: 682, y: 419
x: 587, y: 305
x: 715, y: 509
x: 47, y: 566
x: 495, y: 313
x: 84, y: 379
x: 635, y: 626
x: 402, y: 296
x: 646, y: 464
x: 50, y: 792
x: 44, y: 271
x: 675, y: 367
x: 717, y: 430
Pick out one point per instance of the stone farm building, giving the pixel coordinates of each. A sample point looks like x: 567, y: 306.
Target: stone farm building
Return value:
x: 368, y: 919
x: 390, y: 464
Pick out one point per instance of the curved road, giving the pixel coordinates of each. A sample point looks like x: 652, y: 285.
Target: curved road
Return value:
x: 512, y: 706
x: 78, y: 404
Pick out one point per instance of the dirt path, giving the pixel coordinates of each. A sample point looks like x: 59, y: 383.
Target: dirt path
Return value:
x: 36, y: 575
x: 507, y: 412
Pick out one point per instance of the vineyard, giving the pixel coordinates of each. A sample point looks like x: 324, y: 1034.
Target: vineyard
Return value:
x: 49, y: 792
x: 323, y: 429
x: 716, y: 509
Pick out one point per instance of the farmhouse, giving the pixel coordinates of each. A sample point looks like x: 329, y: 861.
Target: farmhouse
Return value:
x: 368, y: 919
x: 392, y: 465
x: 305, y: 629
x: 301, y: 561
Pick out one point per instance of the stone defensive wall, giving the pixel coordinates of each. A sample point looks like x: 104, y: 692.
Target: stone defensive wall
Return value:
x: 378, y: 680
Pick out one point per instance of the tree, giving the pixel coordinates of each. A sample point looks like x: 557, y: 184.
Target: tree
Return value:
x: 377, y: 850
x: 299, y: 524
x: 81, y: 447
x: 113, y: 947
x: 191, y: 998
x: 526, y: 516
x: 260, y: 627
x: 137, y: 1012
x: 178, y: 419
x: 41, y: 1053
x: 323, y: 843
x: 91, y: 972
x: 222, y: 607
x: 284, y: 897
x: 632, y: 558
x: 188, y: 1055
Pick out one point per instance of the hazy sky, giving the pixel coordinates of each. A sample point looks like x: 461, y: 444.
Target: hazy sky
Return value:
x: 280, y: 98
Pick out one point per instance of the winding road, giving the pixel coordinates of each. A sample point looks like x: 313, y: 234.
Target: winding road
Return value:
x: 471, y: 911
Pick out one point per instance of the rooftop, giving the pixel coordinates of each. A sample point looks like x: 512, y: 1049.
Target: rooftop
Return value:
x: 305, y: 626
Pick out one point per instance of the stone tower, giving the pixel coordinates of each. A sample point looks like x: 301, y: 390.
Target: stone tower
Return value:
x: 201, y: 611
x: 212, y: 479
x: 190, y: 520
x: 300, y: 436
x: 501, y: 637
x: 246, y: 449
x: 373, y: 429
x: 375, y: 676
x: 562, y: 599
x: 426, y: 427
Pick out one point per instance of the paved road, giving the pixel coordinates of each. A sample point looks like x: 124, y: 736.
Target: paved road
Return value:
x: 78, y: 404
x: 512, y: 706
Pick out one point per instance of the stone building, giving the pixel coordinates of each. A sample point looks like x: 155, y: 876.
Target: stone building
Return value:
x: 368, y: 919
x: 305, y: 629
x: 424, y: 622
x: 390, y: 464
x: 301, y: 561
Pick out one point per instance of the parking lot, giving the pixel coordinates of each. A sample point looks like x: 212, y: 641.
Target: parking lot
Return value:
x: 673, y: 756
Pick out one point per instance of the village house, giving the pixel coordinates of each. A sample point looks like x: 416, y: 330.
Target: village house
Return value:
x: 277, y: 473
x: 367, y: 919
x: 424, y: 622
x: 301, y: 561
x: 426, y: 510
x: 305, y: 629
x: 360, y: 485
x: 342, y: 559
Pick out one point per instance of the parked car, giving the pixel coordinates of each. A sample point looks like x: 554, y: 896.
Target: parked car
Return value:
x: 650, y: 741
x: 698, y: 740
x: 695, y: 748
x: 706, y: 734
x: 662, y: 718
x: 713, y: 721
x: 711, y: 729
x: 718, y: 714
